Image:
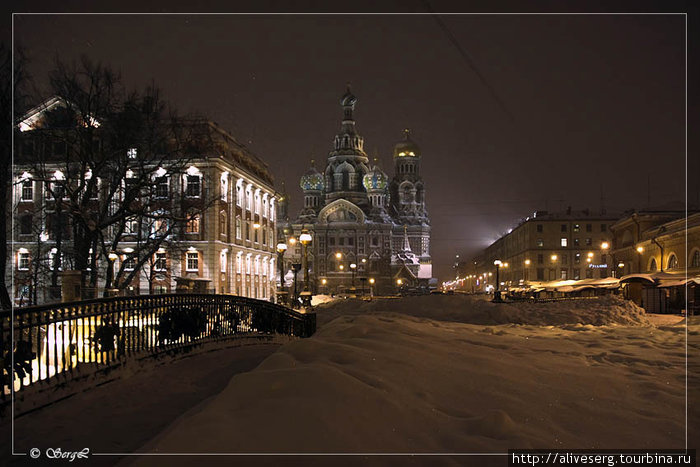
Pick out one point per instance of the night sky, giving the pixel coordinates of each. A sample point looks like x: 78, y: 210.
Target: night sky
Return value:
x: 576, y: 110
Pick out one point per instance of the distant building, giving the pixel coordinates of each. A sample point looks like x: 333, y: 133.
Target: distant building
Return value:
x: 228, y: 248
x: 549, y: 246
x: 359, y: 216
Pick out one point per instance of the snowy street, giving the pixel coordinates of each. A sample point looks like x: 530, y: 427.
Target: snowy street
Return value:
x: 431, y: 374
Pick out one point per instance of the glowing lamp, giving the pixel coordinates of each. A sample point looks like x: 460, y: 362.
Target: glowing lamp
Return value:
x: 305, y: 237
x: 281, y: 247
x: 640, y: 249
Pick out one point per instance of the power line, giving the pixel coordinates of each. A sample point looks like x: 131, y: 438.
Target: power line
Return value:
x: 468, y: 60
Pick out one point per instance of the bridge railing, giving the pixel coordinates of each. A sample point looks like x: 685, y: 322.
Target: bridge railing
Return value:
x: 52, y: 343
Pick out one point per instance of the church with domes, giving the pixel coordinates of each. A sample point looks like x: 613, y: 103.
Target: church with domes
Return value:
x: 369, y: 230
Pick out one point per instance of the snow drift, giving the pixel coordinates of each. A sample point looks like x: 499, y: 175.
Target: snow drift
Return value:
x: 451, y: 374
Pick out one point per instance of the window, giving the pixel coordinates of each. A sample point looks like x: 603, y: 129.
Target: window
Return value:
x: 23, y: 261
x: 129, y: 263
x: 672, y: 262
x: 238, y: 263
x: 192, y: 261
x: 576, y: 242
x: 540, y: 258
x: 695, y: 259
x: 652, y: 265
x: 247, y: 231
x: 160, y: 227
x: 222, y: 261
x: 264, y: 236
x: 131, y: 153
x: 331, y: 241
x: 341, y: 241
x: 192, y: 226
x: 222, y: 223
x: 577, y: 228
x: 255, y: 234
x: 540, y: 274
x: 238, y: 228
x: 589, y: 241
x: 239, y: 195
x: 224, y: 186
x: 257, y: 203
x: 375, y: 241
x: 193, y: 187
x: 539, y: 227
x: 131, y: 226
x: 247, y: 264
x: 564, y: 242
x: 56, y: 190
x: 249, y: 200
x: 162, y: 187
x: 577, y: 258
x: 25, y: 224
x: 264, y: 206
x: 564, y: 259
x: 564, y: 273
x: 589, y: 273
x: 603, y: 227
x: 160, y: 263
x: 589, y: 227
x: 540, y: 243
x: 563, y: 228
x: 577, y: 274
x: 27, y: 190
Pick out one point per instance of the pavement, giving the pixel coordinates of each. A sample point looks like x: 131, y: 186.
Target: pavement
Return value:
x: 123, y: 415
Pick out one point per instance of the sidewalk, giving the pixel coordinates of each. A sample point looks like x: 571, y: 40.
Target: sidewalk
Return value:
x: 122, y: 415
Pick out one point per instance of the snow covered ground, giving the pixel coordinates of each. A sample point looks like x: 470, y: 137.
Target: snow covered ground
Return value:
x: 451, y: 374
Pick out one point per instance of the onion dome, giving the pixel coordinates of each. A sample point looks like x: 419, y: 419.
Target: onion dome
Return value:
x: 375, y: 179
x: 312, y: 180
x: 406, y: 148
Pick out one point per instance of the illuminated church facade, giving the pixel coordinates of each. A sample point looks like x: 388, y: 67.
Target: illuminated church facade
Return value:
x: 369, y: 230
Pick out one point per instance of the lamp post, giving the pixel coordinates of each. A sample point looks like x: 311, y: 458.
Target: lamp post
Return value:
x: 605, y: 246
x: 296, y: 267
x: 497, y: 291
x: 305, y: 239
x: 640, y: 251
x: 399, y: 282
x: 371, y: 287
x: 281, y: 248
x: 112, y: 257
x: 353, y: 266
x: 526, y: 276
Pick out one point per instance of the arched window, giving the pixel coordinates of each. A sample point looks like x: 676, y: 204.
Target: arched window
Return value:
x: 652, y: 265
x: 695, y: 259
x: 672, y: 262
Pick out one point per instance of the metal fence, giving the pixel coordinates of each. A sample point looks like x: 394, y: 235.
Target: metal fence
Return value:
x: 53, y: 343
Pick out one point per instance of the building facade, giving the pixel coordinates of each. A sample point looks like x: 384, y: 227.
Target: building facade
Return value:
x: 545, y: 247
x: 367, y: 228
x: 221, y: 240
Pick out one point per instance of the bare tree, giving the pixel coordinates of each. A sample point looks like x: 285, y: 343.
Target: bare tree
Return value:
x: 104, y: 157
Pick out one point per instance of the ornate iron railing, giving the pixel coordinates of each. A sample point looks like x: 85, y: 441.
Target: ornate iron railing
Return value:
x: 54, y: 342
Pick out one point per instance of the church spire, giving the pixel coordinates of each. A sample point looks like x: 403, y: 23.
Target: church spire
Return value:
x: 406, y: 243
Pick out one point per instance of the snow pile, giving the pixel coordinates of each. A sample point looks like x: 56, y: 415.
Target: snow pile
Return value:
x: 423, y: 380
x: 480, y: 310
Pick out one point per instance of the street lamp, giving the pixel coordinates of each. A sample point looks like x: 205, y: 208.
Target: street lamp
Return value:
x: 353, y: 266
x: 497, y: 293
x: 526, y: 276
x: 371, y: 287
x: 305, y: 239
x: 640, y: 250
x: 399, y: 282
x: 281, y: 248
x: 605, y: 246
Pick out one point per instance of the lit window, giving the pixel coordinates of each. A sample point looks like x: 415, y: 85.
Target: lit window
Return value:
x: 160, y: 263
x: 23, y: 260
x: 131, y: 153
x: 577, y: 227
x: 222, y: 261
x: 564, y: 242
x: 238, y: 228
x: 192, y: 226
x: 160, y: 227
x: 224, y: 186
x: 25, y: 224
x: 192, y: 261
x: 540, y: 243
x: 238, y: 263
x: 131, y: 227
x: 27, y: 190
x: 239, y: 195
